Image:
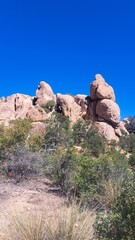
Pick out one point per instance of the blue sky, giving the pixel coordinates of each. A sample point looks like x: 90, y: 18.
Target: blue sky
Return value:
x: 65, y: 43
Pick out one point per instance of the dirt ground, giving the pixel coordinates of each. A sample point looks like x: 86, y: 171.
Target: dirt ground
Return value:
x: 27, y: 195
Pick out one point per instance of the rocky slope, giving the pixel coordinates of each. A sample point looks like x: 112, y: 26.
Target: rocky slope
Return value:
x: 100, y: 107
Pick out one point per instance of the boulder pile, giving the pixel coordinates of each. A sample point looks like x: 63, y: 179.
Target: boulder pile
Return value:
x: 103, y: 110
x: 99, y: 108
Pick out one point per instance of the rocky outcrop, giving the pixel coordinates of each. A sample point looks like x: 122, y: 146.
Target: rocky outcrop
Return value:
x: 107, y: 131
x: 67, y: 105
x: 99, y: 108
x: 108, y: 110
x: 103, y: 110
x: 99, y: 89
x: 36, y: 113
x: 44, y: 94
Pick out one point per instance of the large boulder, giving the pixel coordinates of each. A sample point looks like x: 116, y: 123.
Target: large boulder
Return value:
x: 99, y: 89
x: 108, y: 110
x: 69, y: 107
x: 106, y: 130
x: 44, y: 94
x: 36, y: 113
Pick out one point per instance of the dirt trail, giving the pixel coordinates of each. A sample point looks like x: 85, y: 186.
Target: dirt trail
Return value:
x: 27, y: 195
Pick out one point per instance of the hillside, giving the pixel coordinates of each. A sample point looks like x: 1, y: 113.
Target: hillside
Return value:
x: 67, y: 166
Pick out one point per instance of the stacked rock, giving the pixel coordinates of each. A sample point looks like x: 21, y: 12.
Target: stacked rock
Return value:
x: 103, y: 110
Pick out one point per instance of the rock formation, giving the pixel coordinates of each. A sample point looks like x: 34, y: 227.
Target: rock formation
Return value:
x: 99, y: 108
x: 44, y: 94
x: 103, y: 110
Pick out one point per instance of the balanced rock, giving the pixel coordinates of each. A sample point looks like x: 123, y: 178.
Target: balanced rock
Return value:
x: 108, y: 110
x: 44, y: 94
x: 99, y: 89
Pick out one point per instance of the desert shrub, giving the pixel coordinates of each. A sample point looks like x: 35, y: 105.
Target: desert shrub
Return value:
x: 132, y: 161
x: 67, y: 223
x: 119, y: 222
x: 89, y: 138
x: 94, y: 143
x: 127, y: 142
x: 59, y: 167
x: 49, y: 106
x: 94, y: 181
x: 100, y: 180
x: 21, y: 162
x: 36, y: 142
x: 80, y: 129
x: 130, y: 125
x: 58, y: 132
x: 15, y: 134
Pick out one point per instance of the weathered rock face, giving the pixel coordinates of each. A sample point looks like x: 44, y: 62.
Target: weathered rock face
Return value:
x: 44, y: 94
x: 20, y: 106
x: 7, y: 109
x: 100, y: 108
x: 82, y: 101
x: 36, y: 113
x: 103, y: 111
x: 106, y: 130
x: 108, y: 110
x: 69, y: 107
x: 99, y: 89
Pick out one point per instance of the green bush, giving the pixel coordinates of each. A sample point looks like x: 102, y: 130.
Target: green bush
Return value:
x: 58, y: 133
x: 80, y: 129
x: 127, y: 142
x: 36, y: 142
x: 49, y: 106
x: 100, y: 180
x: 94, y: 143
x: 94, y: 181
x: 17, y: 133
x: 119, y: 222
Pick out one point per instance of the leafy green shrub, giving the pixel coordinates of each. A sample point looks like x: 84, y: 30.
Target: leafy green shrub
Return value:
x: 58, y: 132
x: 127, y: 142
x: 16, y: 134
x: 97, y: 181
x: 132, y: 161
x: 36, y: 142
x: 49, y: 106
x: 89, y: 138
x: 94, y: 143
x: 119, y: 222
x: 80, y: 129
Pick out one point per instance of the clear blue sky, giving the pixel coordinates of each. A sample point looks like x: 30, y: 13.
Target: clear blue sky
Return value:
x: 65, y: 43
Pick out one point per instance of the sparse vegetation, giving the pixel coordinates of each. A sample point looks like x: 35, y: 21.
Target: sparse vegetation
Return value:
x: 68, y: 223
x: 100, y: 175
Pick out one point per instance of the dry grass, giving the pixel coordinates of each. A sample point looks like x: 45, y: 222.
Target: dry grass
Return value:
x: 68, y: 223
